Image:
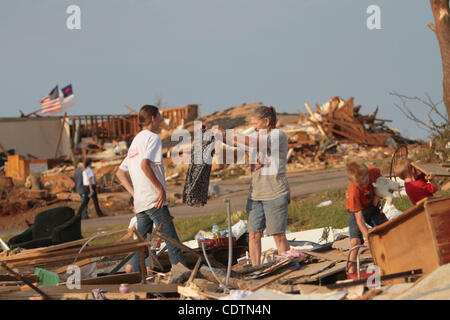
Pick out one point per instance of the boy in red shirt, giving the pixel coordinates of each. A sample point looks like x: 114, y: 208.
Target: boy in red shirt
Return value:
x: 417, y: 185
x: 362, y: 206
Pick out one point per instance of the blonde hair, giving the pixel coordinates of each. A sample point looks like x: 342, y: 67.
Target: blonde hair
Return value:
x: 402, y: 169
x: 356, y: 171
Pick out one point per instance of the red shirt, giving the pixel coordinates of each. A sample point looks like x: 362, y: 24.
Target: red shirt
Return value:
x: 359, y: 198
x: 419, y: 189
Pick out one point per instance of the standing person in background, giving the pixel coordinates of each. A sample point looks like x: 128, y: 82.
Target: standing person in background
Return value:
x: 142, y: 175
x: 90, y: 189
x: 269, y: 196
x: 78, y: 178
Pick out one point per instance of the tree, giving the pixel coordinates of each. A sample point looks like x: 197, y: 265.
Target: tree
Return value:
x: 441, y: 14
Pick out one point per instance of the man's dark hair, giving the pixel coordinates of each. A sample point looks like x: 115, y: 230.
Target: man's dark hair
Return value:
x: 87, y: 162
x: 147, y: 114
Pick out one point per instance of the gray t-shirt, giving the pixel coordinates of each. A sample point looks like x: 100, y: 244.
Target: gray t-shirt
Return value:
x: 269, y: 179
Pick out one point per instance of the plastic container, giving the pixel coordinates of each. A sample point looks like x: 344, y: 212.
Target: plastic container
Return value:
x: 218, y: 242
x: 215, y: 228
x: 200, y: 236
x: 124, y: 288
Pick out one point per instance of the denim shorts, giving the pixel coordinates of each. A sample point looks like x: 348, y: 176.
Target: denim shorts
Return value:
x: 373, y: 217
x: 270, y: 215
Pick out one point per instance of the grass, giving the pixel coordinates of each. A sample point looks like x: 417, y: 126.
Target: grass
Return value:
x: 304, y: 214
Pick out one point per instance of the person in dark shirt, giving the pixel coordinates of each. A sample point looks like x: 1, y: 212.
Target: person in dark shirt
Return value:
x: 78, y: 178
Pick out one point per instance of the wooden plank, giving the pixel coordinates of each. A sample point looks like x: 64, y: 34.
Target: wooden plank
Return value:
x: 332, y: 255
x: 4, y: 150
x: 68, y: 251
x: 150, y: 253
x: 194, y: 272
x: 130, y: 278
x: 57, y: 292
x: 29, y: 278
x: 65, y: 245
x: 80, y: 263
x: 317, y: 122
x: 431, y: 168
x: 281, y: 275
x: 89, y: 252
x: 438, y: 212
x: 310, y: 269
x: 108, y: 296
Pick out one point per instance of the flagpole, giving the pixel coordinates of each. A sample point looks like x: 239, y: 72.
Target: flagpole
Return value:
x: 30, y: 114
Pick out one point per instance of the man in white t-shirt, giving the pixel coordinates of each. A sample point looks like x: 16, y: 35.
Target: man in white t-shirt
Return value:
x: 142, y: 175
x: 90, y: 189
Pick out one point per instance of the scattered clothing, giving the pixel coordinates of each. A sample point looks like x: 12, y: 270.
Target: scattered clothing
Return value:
x: 195, y: 192
x: 46, y: 278
x: 98, y: 294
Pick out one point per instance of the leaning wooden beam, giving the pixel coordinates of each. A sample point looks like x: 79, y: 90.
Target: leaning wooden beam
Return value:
x: 150, y: 253
x: 39, y: 255
x: 20, y: 278
x: 78, y: 263
x: 281, y: 275
x: 71, y: 243
x: 194, y: 272
x: 232, y: 282
x: 178, y: 244
x: 316, y: 121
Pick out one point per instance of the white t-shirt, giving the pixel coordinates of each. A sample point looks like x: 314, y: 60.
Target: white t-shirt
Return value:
x: 146, y: 145
x: 88, y: 173
x: 133, y: 224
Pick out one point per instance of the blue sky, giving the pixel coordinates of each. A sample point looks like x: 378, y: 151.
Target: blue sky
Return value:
x: 219, y: 54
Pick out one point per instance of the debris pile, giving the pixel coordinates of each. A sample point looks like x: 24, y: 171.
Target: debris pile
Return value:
x: 317, y: 274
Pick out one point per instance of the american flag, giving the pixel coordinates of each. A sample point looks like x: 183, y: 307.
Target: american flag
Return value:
x: 52, y: 102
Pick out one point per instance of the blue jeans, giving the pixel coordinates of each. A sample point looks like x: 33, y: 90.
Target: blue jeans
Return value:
x: 135, y: 262
x: 84, y: 214
x: 145, y: 222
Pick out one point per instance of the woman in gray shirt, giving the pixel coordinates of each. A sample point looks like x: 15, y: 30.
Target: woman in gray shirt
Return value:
x: 267, y: 204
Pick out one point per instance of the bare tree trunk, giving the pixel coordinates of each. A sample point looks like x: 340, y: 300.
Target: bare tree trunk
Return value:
x: 441, y: 15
